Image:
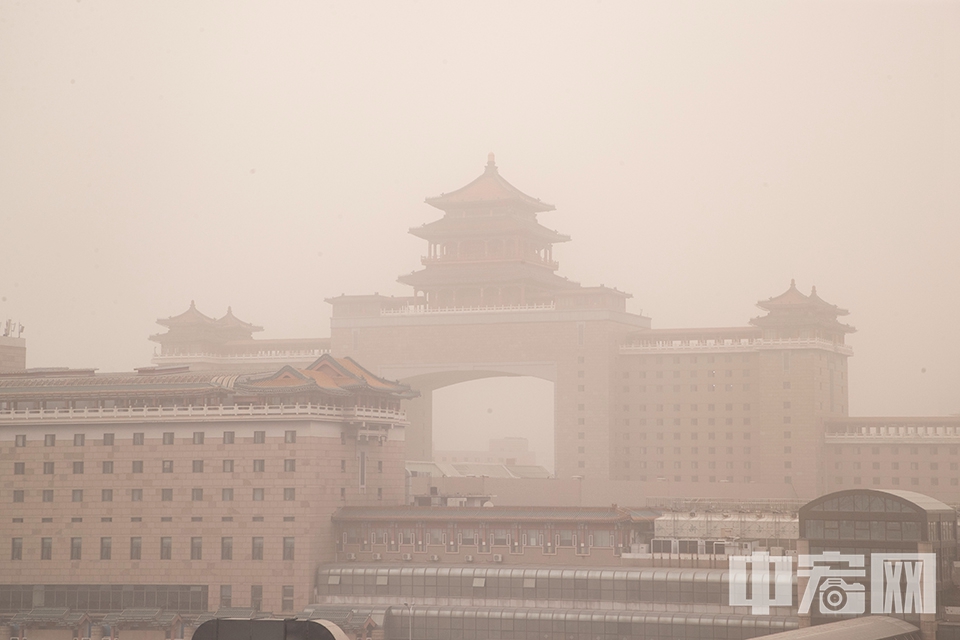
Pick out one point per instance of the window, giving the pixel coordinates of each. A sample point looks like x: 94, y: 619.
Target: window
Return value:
x: 166, y: 548
x: 258, y: 495
x: 138, y: 439
x: 286, y: 604
x: 289, y: 436
x: 259, y: 437
x: 226, y: 548
x: 198, y: 437
x: 256, y: 597
x: 135, y: 545
x: 166, y: 495
x: 196, y: 495
x: 289, y: 493
x: 343, y: 466
x: 106, y: 495
x: 226, y: 495
x: 228, y: 466
x: 108, y: 466
x: 108, y: 439
x: 47, y: 495
x: 49, y: 440
x: 196, y: 548
x: 16, y: 549
x: 257, y: 550
x: 198, y: 466
x: 46, y: 548
x: 48, y: 468
x: 78, y: 466
x: 226, y: 596
x: 228, y: 437
x: 258, y: 466
x: 78, y: 495
x: 78, y: 439
x: 106, y: 548
x: 289, y: 465
x: 138, y: 466
x: 76, y: 548
x: 168, y: 437
x: 20, y: 441
x: 19, y: 468
x: 136, y: 495
x: 167, y: 466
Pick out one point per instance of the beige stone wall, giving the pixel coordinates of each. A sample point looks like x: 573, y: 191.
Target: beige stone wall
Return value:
x: 13, y: 354
x: 324, y: 466
x: 930, y: 468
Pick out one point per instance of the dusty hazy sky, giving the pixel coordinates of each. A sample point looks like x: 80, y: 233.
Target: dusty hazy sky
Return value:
x: 267, y: 155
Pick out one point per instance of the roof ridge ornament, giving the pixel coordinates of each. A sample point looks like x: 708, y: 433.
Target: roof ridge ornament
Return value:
x: 491, y: 162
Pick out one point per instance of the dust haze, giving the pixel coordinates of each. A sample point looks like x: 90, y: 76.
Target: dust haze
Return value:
x: 269, y: 155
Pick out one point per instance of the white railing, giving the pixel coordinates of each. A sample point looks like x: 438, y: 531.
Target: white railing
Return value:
x: 736, y: 345
x: 420, y: 310
x: 270, y: 353
x: 206, y: 412
x: 896, y: 432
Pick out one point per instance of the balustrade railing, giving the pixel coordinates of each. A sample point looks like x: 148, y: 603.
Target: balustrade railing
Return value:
x: 205, y: 412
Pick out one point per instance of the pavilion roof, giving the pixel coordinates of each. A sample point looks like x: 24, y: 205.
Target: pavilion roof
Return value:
x: 793, y: 299
x: 447, y: 227
x: 192, y: 317
x: 339, y: 376
x: 489, y: 190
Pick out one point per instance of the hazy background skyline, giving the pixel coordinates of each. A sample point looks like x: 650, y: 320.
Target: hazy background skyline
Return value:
x: 269, y: 155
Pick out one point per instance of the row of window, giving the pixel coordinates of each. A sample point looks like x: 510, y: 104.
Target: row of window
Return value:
x: 744, y: 479
x: 199, y: 437
x: 709, y: 373
x: 677, y: 388
x: 914, y: 466
x: 642, y: 360
x: 107, y: 466
x: 162, y: 519
x: 642, y: 464
x: 693, y: 407
x: 166, y: 548
x: 895, y: 480
x: 166, y: 495
x: 895, y: 450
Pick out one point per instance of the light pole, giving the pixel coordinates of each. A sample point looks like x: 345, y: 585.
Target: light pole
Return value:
x: 410, y: 615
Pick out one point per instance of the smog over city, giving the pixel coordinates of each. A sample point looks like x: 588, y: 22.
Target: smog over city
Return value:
x: 493, y: 227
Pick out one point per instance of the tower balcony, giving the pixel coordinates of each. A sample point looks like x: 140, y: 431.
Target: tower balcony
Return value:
x: 553, y: 265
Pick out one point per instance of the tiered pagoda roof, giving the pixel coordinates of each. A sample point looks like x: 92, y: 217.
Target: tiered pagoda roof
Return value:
x: 489, y: 190
x: 793, y: 309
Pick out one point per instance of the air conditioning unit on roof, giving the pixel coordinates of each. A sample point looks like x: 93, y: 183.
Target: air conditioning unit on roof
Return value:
x: 407, y: 556
x: 468, y: 558
x: 498, y: 557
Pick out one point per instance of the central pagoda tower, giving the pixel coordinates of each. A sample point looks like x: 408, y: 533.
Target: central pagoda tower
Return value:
x: 488, y: 249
